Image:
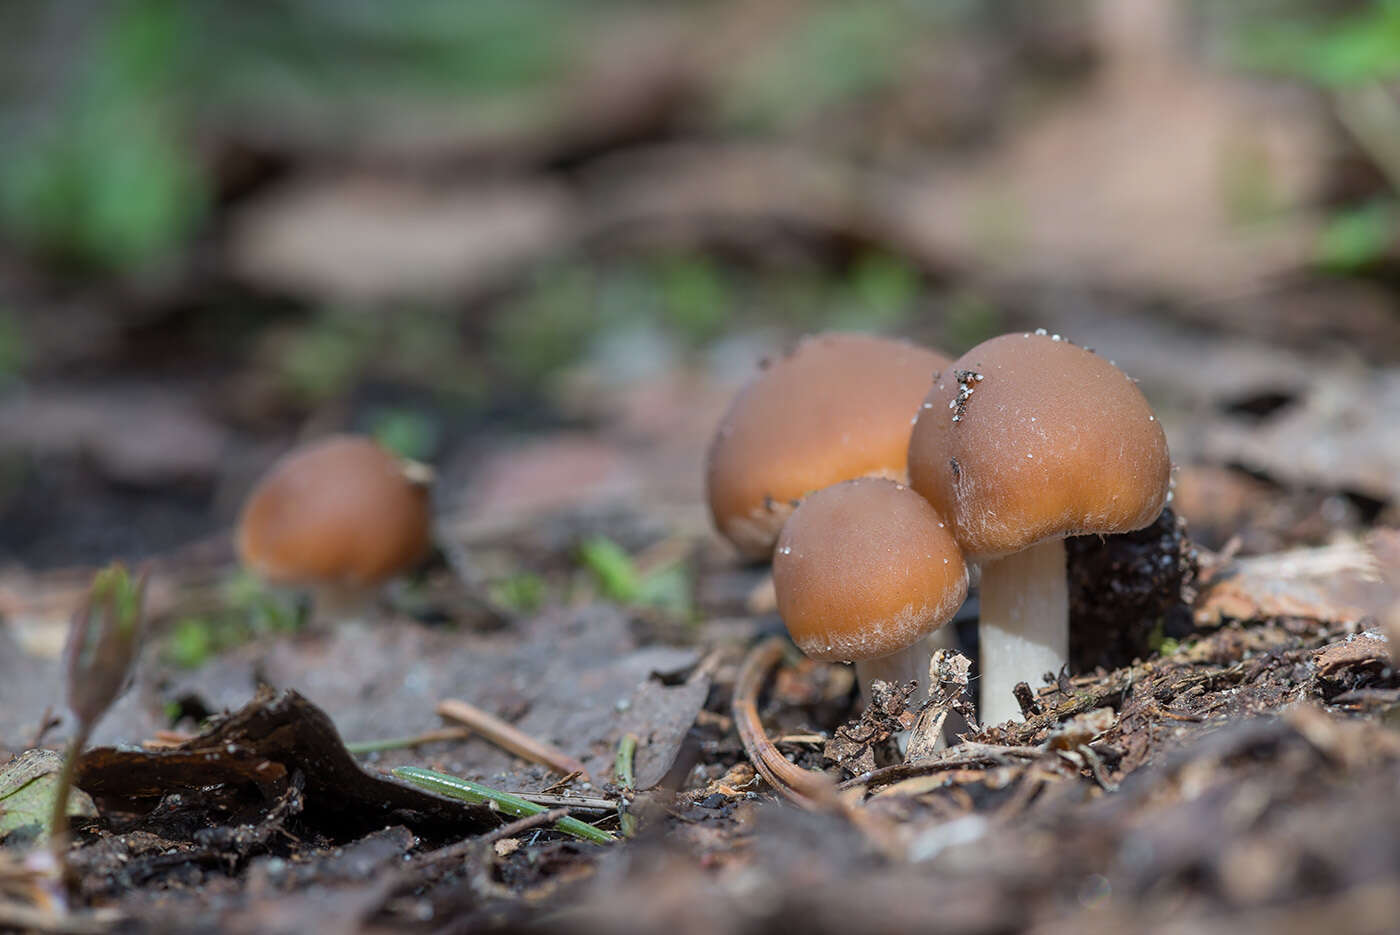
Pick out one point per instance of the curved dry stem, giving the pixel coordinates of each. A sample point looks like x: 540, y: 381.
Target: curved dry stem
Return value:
x: 811, y: 790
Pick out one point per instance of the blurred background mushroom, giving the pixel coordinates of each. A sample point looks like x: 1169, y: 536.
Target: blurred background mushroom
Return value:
x: 340, y: 517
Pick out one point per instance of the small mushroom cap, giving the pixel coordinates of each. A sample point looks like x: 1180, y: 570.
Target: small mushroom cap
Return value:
x: 838, y: 407
x: 1028, y: 437
x: 339, y: 511
x: 865, y: 569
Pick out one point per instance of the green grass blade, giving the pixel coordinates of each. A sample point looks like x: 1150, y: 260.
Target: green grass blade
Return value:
x: 477, y: 794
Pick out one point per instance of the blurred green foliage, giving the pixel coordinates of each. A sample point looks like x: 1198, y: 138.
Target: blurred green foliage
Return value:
x: 109, y: 181
x: 335, y: 348
x: 669, y: 589
x: 969, y: 319
x: 14, y: 347
x: 554, y: 321
x: 834, y: 53
x: 248, y: 610
x: 324, y: 358
x: 522, y: 592
x: 612, y: 569
x: 1356, y: 238
x: 548, y: 325
x: 617, y: 577
x: 106, y: 172
x: 408, y: 433
x: 344, y: 50
x: 878, y: 294
x: 1338, y: 45
x: 695, y: 297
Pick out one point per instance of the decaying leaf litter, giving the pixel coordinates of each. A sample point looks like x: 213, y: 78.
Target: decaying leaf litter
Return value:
x: 1214, y: 770
x: 1228, y: 761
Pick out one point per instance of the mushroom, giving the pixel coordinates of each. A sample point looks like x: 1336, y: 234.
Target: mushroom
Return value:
x: 340, y: 516
x: 864, y: 571
x: 837, y: 407
x: 1024, y: 440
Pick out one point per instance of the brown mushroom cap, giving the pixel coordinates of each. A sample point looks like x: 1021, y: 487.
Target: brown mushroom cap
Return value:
x: 865, y: 569
x: 838, y: 407
x: 1028, y: 437
x: 340, y: 511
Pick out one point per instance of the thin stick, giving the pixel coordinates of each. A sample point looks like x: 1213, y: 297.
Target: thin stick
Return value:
x: 527, y: 823
x: 29, y: 919
x: 464, y: 848
x: 399, y: 743
x: 806, y: 788
x: 964, y: 754
x: 509, y: 737
x: 560, y: 784
x: 577, y: 803
x: 166, y: 739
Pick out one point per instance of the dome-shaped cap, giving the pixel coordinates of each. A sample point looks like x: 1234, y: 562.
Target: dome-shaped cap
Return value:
x: 838, y: 407
x: 865, y: 569
x: 1027, y: 437
x: 338, y: 511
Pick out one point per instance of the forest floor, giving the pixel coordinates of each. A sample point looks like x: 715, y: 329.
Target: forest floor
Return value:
x: 555, y: 311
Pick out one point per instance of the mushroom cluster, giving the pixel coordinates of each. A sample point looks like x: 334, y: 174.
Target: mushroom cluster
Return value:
x: 1024, y: 440
x: 816, y: 448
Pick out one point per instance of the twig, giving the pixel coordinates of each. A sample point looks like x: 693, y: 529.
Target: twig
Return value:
x: 166, y: 739
x: 399, y: 743
x: 964, y: 754
x: 465, y: 848
x: 522, y: 825
x: 1152, y: 707
x: 1097, y: 768
x: 812, y: 739
x: 808, y: 789
x: 560, y: 784
x: 578, y: 803
x: 477, y: 794
x: 29, y: 919
x: 509, y: 737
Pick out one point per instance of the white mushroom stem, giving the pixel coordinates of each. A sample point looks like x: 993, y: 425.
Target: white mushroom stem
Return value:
x: 907, y: 665
x: 334, y: 604
x: 1024, y: 625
